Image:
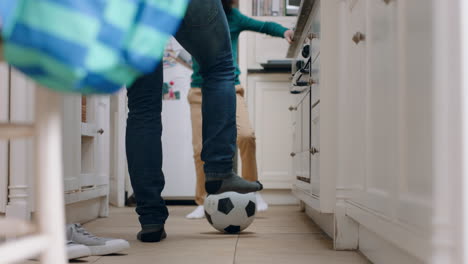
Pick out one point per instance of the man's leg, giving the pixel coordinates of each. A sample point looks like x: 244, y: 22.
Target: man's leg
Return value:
x: 195, y: 100
x: 205, y: 34
x: 144, y: 153
x: 245, y: 139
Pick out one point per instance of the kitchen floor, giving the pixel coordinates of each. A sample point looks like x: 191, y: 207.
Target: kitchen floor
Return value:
x: 282, y: 235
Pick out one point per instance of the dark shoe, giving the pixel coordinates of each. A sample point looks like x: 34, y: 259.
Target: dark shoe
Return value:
x: 152, y: 233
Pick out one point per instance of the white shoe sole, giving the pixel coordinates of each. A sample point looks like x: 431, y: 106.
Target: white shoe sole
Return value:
x: 78, y: 251
x: 111, y: 247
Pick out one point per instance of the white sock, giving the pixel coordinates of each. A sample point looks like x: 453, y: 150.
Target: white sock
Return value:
x: 261, y: 204
x: 198, y: 213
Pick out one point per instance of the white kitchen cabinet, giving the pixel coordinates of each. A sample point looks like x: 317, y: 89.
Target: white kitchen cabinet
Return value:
x: 85, y: 151
x: 316, y: 189
x: 385, y: 128
x: 268, y: 100
x: 389, y: 127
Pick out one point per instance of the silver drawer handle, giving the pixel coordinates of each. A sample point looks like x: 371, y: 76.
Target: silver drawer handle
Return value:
x: 292, y: 108
x: 313, y: 36
x: 358, y: 37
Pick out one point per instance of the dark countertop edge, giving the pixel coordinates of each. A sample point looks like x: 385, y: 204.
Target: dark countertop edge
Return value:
x: 288, y: 71
x: 302, y: 20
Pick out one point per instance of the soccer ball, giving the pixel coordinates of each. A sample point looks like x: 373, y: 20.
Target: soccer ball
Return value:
x: 230, y: 212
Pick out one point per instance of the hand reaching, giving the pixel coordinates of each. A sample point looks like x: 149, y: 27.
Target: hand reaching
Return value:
x: 288, y: 35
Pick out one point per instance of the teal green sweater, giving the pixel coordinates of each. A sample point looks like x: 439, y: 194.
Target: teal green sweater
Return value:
x: 238, y: 23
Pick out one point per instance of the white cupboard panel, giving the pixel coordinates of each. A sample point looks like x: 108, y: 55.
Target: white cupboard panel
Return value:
x: 296, y: 110
x: 381, y: 114
x: 71, y: 119
x: 4, y: 117
x: 415, y: 183
x: 352, y: 109
x: 314, y: 153
x: 305, y: 108
x: 302, y: 176
x: 22, y: 166
x: 269, y: 99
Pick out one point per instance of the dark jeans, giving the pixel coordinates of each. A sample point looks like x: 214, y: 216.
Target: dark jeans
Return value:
x: 205, y: 34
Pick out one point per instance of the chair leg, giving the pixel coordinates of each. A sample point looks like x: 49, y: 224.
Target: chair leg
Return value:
x: 50, y: 202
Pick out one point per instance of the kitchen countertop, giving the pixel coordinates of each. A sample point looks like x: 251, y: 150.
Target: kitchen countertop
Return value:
x: 303, y: 21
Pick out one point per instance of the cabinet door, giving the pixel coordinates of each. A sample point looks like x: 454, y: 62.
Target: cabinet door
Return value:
x: 268, y: 101
x: 352, y: 99
x: 102, y: 158
x: 381, y: 99
x: 415, y: 106
x: 71, y: 119
x: 302, y: 176
x: 315, y: 150
x: 22, y: 167
x: 306, y: 122
x: 296, y: 113
x: 4, y: 113
x: 95, y: 142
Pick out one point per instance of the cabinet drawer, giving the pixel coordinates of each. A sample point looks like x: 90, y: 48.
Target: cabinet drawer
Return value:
x: 296, y: 113
x: 306, y: 123
x: 315, y: 75
x: 302, y: 170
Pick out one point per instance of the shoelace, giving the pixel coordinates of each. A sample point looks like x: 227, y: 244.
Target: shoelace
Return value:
x: 83, y: 231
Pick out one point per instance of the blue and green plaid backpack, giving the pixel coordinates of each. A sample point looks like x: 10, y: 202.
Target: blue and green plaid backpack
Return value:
x: 87, y: 46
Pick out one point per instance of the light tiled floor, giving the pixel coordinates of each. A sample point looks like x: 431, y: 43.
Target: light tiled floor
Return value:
x: 283, y: 235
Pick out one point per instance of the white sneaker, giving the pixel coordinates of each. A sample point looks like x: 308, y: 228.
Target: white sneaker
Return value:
x: 261, y: 204
x: 198, y: 213
x: 97, y: 245
x: 75, y: 251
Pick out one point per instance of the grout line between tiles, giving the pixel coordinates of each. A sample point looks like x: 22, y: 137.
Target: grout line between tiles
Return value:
x: 235, y: 250
x: 97, y: 260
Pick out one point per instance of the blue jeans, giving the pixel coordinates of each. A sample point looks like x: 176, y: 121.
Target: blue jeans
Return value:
x: 205, y: 34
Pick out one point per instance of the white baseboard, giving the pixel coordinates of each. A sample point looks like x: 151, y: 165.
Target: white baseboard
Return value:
x: 377, y: 250
x: 85, y: 211
x: 324, y: 221
x: 279, y: 197
x: 380, y: 236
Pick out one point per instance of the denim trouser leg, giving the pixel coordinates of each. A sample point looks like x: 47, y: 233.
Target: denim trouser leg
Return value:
x: 205, y: 34
x: 143, y: 145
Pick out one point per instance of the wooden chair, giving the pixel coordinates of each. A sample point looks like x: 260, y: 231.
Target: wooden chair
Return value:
x: 46, y: 236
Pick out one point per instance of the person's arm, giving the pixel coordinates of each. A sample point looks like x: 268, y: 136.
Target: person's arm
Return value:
x: 269, y: 28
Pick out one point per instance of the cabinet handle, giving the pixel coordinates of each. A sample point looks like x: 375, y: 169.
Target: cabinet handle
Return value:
x: 292, y: 108
x: 314, y: 151
x: 387, y: 1
x: 101, y: 131
x: 313, y: 36
x: 292, y: 154
x: 358, y: 37
x: 305, y: 51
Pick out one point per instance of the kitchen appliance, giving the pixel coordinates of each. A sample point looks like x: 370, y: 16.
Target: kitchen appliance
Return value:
x: 292, y: 7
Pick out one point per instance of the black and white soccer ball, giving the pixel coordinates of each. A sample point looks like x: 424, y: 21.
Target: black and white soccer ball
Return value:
x: 230, y: 212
